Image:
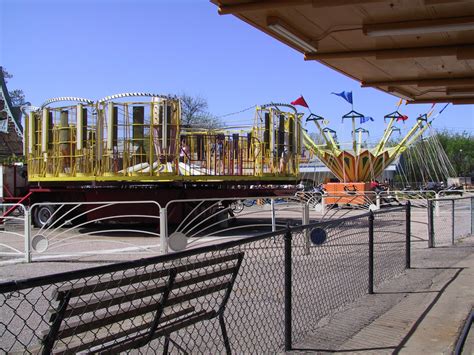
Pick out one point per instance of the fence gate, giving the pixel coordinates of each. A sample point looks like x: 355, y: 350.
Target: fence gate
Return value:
x: 12, y: 233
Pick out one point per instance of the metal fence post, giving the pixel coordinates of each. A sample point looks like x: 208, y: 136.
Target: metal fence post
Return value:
x: 472, y: 215
x: 452, y: 221
x: 288, y: 286
x: 408, y: 235
x: 436, y: 204
x: 323, y: 205
x: 305, y: 221
x: 371, y: 253
x: 430, y: 225
x: 27, y: 234
x: 272, y: 205
x: 164, y: 230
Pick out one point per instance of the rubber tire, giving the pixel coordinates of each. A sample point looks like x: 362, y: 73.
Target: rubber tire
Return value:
x: 41, y: 215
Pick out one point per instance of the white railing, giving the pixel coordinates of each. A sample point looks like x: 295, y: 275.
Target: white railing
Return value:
x: 86, y: 228
x: 212, y: 220
x: 14, y: 228
x: 83, y: 229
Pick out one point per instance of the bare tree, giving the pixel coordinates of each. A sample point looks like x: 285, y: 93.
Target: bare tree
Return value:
x: 317, y: 138
x: 17, y: 96
x: 194, y: 113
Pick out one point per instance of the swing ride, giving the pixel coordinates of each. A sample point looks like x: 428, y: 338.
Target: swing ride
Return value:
x: 356, y: 168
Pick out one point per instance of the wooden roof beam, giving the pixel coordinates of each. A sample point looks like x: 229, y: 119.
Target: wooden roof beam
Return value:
x: 421, y: 82
x: 334, y: 3
x: 463, y: 101
x: 259, y: 5
x: 400, y: 93
x: 464, y: 51
x: 275, y: 4
x: 453, y: 100
x: 467, y: 92
x: 442, y: 2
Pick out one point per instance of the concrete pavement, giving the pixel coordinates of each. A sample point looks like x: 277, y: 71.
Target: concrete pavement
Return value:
x: 420, y: 312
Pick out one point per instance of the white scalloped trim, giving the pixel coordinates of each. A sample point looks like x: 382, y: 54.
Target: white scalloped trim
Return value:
x: 133, y: 94
x: 66, y: 98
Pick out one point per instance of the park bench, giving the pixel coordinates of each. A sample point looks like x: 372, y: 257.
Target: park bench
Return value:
x: 113, y: 314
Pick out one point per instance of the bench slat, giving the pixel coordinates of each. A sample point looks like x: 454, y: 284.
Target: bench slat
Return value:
x: 106, y: 283
x: 180, y: 298
x: 98, y: 321
x: 182, y: 282
x: 82, y: 307
x: 107, y: 318
x: 146, y: 325
x: 168, y: 329
x: 109, y: 300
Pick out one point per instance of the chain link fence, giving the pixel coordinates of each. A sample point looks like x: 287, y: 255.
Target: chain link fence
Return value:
x: 331, y: 272
x: 390, y: 238
x: 449, y: 219
x: 463, y: 216
x: 443, y: 222
x: 253, y: 295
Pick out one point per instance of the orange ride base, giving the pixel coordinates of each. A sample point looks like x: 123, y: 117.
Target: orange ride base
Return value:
x: 348, y: 193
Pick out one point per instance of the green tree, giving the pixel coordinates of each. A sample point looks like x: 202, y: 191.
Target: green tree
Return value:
x: 459, y: 148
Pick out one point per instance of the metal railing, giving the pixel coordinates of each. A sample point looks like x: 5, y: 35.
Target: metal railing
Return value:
x: 288, y: 281
x: 13, y: 228
x: 91, y: 228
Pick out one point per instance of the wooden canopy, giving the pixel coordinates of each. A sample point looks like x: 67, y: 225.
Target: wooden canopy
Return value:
x: 418, y: 50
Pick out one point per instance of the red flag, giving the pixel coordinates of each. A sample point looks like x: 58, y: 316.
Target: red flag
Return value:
x: 300, y: 101
x: 403, y: 118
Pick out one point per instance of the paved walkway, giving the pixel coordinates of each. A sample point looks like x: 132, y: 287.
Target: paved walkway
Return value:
x: 420, y: 312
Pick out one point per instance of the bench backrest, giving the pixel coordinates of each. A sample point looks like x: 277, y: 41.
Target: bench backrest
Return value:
x: 116, y: 313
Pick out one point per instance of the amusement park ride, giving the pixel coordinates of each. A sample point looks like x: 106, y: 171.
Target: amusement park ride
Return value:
x: 356, y: 168
x: 113, y: 140
x: 133, y: 147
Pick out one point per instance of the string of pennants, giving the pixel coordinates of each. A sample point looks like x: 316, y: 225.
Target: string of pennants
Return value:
x: 347, y: 96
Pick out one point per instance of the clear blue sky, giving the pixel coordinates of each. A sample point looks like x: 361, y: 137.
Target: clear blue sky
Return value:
x: 97, y: 48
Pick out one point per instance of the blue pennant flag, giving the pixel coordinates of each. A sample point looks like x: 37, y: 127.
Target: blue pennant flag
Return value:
x: 365, y: 119
x: 346, y: 95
